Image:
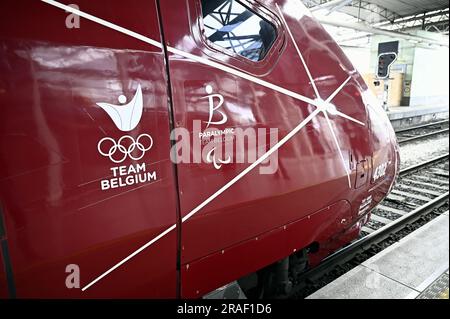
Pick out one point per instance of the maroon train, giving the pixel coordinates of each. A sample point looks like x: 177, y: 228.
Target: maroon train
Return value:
x: 94, y: 204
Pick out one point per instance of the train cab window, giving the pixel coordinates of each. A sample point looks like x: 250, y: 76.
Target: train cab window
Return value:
x: 234, y: 27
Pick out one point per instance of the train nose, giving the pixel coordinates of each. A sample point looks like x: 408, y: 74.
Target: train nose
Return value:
x: 384, y: 145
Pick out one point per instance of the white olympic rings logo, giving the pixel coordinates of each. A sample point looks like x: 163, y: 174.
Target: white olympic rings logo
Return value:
x: 118, y: 152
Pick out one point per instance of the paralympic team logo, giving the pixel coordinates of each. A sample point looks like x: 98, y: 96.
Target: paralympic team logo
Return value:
x: 126, y: 117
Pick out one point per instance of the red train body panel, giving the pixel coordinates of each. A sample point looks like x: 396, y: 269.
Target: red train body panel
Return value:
x: 180, y: 231
x: 3, y: 279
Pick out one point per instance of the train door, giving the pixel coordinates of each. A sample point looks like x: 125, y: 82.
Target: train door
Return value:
x: 241, y: 69
x: 86, y: 183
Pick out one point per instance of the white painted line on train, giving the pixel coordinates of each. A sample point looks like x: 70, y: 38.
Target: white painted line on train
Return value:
x: 245, y: 76
x: 151, y: 242
x: 324, y: 111
x: 184, y: 54
x: 336, y: 112
x: 204, y: 61
x: 252, y: 166
x: 311, y: 79
x: 332, y: 96
x: 210, y: 199
x: 104, y: 23
x: 347, y: 170
x: 317, y: 104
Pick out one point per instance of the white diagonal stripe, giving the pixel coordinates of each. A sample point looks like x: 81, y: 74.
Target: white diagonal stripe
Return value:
x: 339, y: 149
x: 311, y: 79
x: 182, y: 53
x: 242, y: 75
x: 104, y: 23
x: 225, y: 69
x: 348, y: 118
x: 211, y: 198
x: 332, y: 96
x: 151, y: 242
x: 252, y: 166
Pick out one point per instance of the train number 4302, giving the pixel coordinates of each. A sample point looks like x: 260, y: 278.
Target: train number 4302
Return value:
x: 380, y: 171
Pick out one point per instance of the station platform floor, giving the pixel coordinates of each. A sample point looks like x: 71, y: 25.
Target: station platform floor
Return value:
x: 416, y: 267
x: 400, y: 112
x: 406, y: 116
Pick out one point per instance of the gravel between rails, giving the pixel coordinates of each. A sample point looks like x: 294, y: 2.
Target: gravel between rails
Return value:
x: 417, y: 152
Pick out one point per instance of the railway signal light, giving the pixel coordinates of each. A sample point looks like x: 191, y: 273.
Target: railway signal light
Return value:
x: 385, y: 61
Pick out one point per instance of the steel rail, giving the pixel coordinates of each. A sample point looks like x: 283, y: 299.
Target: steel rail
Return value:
x: 421, y: 126
x: 349, y: 252
x: 413, y: 168
x: 419, y: 137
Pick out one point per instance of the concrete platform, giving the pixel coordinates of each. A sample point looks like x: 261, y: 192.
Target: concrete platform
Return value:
x: 407, y: 116
x: 406, y: 270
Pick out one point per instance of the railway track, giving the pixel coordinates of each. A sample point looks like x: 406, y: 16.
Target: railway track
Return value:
x: 422, y: 131
x: 421, y: 194
x: 417, y: 186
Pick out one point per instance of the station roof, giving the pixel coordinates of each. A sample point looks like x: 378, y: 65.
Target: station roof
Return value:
x: 411, y: 7
x: 377, y: 11
x: 345, y: 18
